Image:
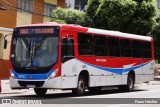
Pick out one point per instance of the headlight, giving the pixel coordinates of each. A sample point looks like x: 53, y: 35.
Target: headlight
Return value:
x: 12, y: 75
x: 53, y: 74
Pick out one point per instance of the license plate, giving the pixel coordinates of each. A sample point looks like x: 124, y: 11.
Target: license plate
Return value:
x: 30, y: 86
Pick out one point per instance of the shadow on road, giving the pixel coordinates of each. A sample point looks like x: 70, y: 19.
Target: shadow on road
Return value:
x: 69, y: 94
x: 156, y: 79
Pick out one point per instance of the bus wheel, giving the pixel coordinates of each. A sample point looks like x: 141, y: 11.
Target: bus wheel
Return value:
x: 81, y: 86
x: 40, y: 91
x: 130, y: 84
x: 94, y: 89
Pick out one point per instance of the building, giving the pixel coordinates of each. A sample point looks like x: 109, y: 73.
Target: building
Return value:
x: 20, y: 12
x: 158, y: 4
x: 76, y: 4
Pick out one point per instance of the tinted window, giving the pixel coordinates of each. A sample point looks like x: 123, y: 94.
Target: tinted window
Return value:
x: 136, y: 49
x: 64, y: 47
x: 100, y: 46
x: 113, y: 47
x: 125, y: 48
x: 67, y: 47
x: 146, y: 50
x: 85, y: 44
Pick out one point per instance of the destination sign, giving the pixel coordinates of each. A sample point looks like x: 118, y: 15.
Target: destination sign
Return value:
x: 26, y: 31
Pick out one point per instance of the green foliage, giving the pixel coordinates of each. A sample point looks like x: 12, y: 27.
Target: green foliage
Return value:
x: 91, y: 10
x: 131, y: 16
x: 68, y: 16
x: 156, y: 37
x: 114, y: 14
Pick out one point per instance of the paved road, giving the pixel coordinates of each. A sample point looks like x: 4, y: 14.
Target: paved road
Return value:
x: 144, y: 90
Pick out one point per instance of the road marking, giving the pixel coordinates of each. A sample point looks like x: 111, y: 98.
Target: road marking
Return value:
x: 119, y: 105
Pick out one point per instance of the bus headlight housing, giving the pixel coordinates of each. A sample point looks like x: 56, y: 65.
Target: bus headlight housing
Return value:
x: 53, y: 74
x: 12, y: 75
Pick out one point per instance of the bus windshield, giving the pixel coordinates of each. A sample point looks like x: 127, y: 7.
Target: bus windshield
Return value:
x: 34, y: 49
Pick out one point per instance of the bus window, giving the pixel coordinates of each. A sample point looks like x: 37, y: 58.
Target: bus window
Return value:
x: 125, y: 48
x: 100, y: 46
x: 146, y: 50
x: 67, y: 47
x: 64, y: 47
x: 70, y: 47
x: 85, y: 44
x: 136, y: 49
x: 113, y: 47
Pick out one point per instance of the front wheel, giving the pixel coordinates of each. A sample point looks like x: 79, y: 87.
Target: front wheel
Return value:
x: 40, y: 91
x: 81, y: 86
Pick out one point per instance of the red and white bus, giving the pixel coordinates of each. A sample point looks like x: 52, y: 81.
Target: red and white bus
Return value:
x: 61, y: 56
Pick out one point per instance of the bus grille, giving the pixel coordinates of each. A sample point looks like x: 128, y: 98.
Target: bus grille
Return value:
x: 36, y: 83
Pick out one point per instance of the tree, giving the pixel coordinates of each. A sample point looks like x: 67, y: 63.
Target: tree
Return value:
x: 91, y: 10
x: 156, y: 37
x: 68, y: 16
x: 143, y: 20
x: 131, y: 16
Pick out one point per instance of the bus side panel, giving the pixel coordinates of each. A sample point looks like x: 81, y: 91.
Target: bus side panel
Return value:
x: 114, y: 78
x: 53, y: 83
x: 97, y: 74
x: 69, y: 70
x: 148, y: 70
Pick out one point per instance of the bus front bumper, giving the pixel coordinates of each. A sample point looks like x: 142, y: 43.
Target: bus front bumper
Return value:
x: 54, y: 83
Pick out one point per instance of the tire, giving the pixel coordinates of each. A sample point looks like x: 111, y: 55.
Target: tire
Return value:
x: 0, y: 89
x: 40, y: 91
x: 81, y: 86
x: 130, y: 84
x: 94, y: 89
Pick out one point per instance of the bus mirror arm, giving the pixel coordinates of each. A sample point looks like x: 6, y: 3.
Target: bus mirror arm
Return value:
x: 5, y: 43
x: 5, y: 40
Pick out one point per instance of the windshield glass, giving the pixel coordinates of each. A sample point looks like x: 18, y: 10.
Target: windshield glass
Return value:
x: 33, y: 51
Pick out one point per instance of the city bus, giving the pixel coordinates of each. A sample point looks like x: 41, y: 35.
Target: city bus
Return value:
x: 71, y: 57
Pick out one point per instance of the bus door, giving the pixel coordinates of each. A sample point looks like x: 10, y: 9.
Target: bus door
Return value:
x: 68, y: 62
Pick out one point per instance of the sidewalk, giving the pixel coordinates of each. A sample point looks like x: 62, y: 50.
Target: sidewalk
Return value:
x: 7, y: 90
x: 156, y: 81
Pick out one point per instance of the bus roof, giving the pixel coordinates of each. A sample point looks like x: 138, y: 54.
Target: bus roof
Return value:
x: 92, y: 30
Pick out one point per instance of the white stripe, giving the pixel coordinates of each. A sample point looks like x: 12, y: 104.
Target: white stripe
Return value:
x: 118, y: 34
x: 6, y: 29
x: 118, y: 105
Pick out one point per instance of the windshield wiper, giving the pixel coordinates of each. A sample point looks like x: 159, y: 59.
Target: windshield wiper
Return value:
x: 39, y: 44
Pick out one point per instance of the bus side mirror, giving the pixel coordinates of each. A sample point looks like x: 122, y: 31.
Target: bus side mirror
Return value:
x: 5, y: 43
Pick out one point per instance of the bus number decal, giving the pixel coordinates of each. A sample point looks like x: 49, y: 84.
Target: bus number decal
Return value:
x: 84, y: 66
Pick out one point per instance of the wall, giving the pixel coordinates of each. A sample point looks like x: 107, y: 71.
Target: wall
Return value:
x: 51, y: 1
x: 47, y: 19
x: 38, y: 8
x: 8, y: 17
x: 61, y: 3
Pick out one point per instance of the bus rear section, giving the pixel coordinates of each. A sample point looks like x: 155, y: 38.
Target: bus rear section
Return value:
x: 73, y: 57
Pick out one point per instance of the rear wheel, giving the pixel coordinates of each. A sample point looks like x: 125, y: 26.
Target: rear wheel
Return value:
x: 40, y: 91
x: 81, y: 86
x: 130, y: 84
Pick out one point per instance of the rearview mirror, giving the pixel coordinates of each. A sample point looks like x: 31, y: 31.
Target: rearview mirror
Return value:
x: 5, y: 43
